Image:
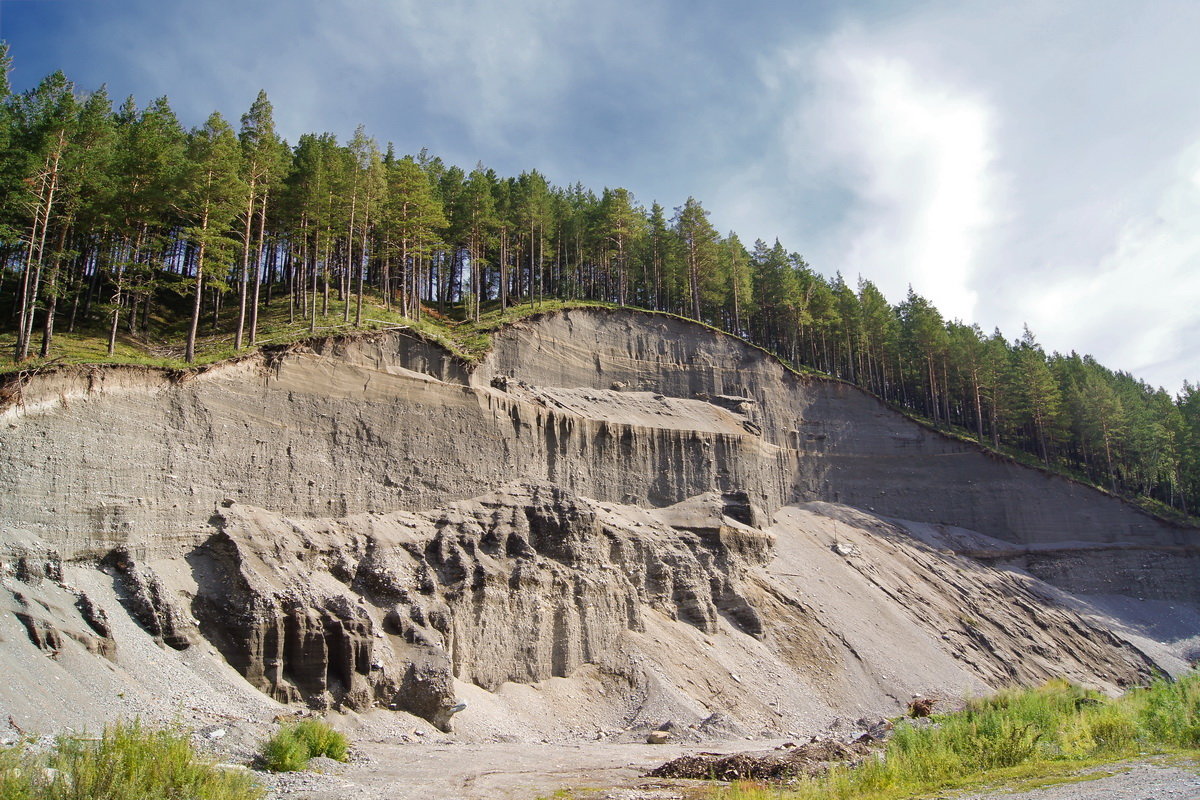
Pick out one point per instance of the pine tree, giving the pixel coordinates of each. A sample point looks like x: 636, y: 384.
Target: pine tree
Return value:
x: 149, y: 167
x: 213, y: 194
x: 849, y: 326
x: 260, y: 170
x: 414, y: 216
x: 12, y: 162
x: 621, y: 224
x: 880, y: 333
x: 1038, y: 393
x: 85, y: 190
x: 924, y: 339
x: 968, y: 354
x: 478, y: 213
x: 369, y: 185
x: 736, y: 276
x: 532, y: 204
x: 1188, y: 404
x: 44, y: 120
x: 655, y: 257
x: 698, y: 241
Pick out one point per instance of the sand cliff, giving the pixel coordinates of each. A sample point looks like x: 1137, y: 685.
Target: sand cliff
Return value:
x: 659, y: 515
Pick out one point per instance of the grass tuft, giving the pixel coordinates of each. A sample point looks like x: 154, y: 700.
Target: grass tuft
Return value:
x: 290, y: 749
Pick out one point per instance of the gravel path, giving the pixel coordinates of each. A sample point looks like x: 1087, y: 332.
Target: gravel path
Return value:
x: 1152, y: 780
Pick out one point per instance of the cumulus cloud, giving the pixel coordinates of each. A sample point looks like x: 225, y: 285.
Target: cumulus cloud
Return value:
x: 892, y: 168
x: 1140, y: 305
x: 1012, y: 165
x: 919, y: 155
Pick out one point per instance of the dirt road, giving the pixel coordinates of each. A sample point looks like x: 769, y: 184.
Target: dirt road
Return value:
x: 496, y: 771
x: 612, y: 771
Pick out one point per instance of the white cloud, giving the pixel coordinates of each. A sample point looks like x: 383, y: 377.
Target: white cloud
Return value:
x: 1141, y: 305
x: 1008, y: 182
x: 879, y: 169
x: 918, y: 154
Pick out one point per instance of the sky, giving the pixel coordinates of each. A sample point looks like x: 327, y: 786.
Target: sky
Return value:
x: 1020, y: 163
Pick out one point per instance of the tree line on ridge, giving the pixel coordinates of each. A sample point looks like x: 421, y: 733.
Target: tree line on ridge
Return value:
x: 111, y: 214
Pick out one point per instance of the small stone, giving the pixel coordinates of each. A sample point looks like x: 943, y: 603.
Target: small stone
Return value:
x: 658, y: 737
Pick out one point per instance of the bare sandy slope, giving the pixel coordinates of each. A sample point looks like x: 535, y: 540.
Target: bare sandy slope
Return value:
x: 851, y: 616
x: 616, y: 522
x: 857, y: 615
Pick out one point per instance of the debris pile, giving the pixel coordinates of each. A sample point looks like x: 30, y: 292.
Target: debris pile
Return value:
x: 783, y: 763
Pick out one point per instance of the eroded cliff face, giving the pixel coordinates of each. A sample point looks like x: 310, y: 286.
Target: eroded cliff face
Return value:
x: 367, y: 522
x: 680, y: 613
x: 837, y: 443
x: 522, y: 585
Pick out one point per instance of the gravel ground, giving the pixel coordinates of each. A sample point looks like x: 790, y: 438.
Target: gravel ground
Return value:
x: 1158, y: 779
x: 495, y: 771
x: 611, y: 771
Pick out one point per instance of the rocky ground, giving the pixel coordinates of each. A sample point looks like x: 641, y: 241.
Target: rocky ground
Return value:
x: 1155, y: 779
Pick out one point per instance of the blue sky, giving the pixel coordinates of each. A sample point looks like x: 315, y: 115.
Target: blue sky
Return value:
x: 1018, y: 163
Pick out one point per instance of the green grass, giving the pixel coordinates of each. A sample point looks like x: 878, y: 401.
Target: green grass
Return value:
x: 1045, y: 734
x: 290, y: 749
x: 128, y: 762
x: 160, y: 343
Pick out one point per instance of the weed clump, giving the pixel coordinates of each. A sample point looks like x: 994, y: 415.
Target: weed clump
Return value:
x: 290, y: 749
x: 128, y: 761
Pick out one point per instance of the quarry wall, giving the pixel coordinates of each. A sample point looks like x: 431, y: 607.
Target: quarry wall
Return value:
x: 366, y: 521
x: 615, y: 405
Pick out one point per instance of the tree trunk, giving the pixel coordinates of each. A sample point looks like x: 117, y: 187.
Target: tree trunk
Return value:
x: 242, y: 278
x: 190, y: 350
x: 978, y: 406
x: 349, y: 258
x: 52, y: 292
x: 262, y: 226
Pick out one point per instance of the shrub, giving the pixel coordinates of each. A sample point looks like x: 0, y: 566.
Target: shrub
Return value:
x: 322, y: 740
x: 283, y: 752
x: 126, y: 762
x: 1169, y: 711
x: 290, y: 749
